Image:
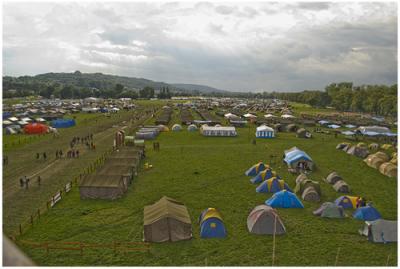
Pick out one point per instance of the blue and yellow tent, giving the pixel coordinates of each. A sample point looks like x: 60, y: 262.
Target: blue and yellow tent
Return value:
x: 263, y: 175
x: 367, y: 213
x: 347, y: 201
x: 211, y: 224
x: 273, y: 185
x: 255, y: 169
x: 284, y: 199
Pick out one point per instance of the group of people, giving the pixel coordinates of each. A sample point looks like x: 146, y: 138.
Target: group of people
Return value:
x: 24, y: 181
x: 81, y: 140
x: 44, y: 154
x: 73, y: 153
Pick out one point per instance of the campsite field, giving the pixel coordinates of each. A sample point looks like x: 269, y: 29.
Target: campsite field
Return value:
x: 209, y: 172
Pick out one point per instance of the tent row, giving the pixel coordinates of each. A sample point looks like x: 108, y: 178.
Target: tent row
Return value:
x: 112, y: 180
x: 337, y: 182
x: 382, y: 162
x: 308, y: 189
x: 360, y: 150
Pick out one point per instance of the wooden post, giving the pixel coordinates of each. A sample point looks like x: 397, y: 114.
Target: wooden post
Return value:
x: 337, y: 256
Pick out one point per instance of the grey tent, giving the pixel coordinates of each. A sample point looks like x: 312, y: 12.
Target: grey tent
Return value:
x: 278, y: 127
x: 291, y: 127
x: 166, y: 220
x: 341, y: 186
x: 102, y: 187
x: 303, y: 133
x: 310, y: 194
x: 264, y: 219
x: 380, y: 231
x: 329, y: 210
x: 332, y: 178
x: 358, y: 151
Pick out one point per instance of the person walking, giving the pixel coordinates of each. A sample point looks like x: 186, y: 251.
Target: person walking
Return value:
x: 21, y: 182
x: 60, y: 153
x: 77, y: 153
x: 39, y: 179
x: 73, y: 153
x: 26, y: 180
x: 37, y: 155
x: 44, y: 156
x: 56, y: 154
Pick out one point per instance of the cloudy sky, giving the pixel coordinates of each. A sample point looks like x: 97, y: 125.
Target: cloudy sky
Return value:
x: 233, y: 46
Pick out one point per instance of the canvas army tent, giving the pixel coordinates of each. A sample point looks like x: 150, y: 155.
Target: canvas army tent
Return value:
x: 127, y: 172
x: 211, y: 224
x: 263, y: 175
x: 265, y: 132
x: 294, y: 157
x: 264, y: 219
x: 329, y: 210
x: 166, y: 220
x: 255, y: 169
x: 380, y: 231
x: 360, y: 152
x: 333, y: 177
x: 341, y: 186
x: 109, y: 187
x: 272, y: 185
x: 388, y: 169
x: 347, y: 201
x: 366, y: 213
x: 284, y: 199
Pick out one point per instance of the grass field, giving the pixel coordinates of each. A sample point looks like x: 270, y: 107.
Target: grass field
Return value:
x: 209, y: 172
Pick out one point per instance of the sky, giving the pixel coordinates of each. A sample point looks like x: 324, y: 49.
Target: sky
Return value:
x: 236, y: 46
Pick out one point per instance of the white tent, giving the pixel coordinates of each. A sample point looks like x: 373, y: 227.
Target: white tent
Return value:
x: 13, y: 119
x: 230, y: 116
x: 265, y: 132
x: 218, y: 131
x: 40, y: 120
x: 248, y: 115
x: 268, y: 116
x: 287, y: 116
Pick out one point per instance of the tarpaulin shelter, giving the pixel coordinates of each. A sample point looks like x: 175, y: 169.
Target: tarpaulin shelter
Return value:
x: 264, y: 219
x: 284, y: 199
x: 166, y: 220
x: 211, y: 224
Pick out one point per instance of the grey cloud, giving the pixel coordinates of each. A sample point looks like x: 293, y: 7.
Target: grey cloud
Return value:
x: 314, y: 5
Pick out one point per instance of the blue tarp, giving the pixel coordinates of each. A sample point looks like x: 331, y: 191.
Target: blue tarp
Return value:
x: 295, y: 155
x: 63, y: 123
x: 284, y: 199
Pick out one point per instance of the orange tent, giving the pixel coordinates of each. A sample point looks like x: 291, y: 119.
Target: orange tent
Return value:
x: 35, y: 128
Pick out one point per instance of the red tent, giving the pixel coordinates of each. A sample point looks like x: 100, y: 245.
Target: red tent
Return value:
x: 35, y: 128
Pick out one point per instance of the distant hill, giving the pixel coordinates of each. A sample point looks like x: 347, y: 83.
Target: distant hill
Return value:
x: 199, y: 88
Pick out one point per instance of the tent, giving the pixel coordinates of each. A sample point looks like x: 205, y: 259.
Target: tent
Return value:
x: 294, y: 157
x: 375, y: 160
x: 211, y: 224
x: 342, y: 145
x: 358, y: 151
x: 109, y: 187
x: 310, y: 194
x: 192, y: 128
x: 341, y: 186
x: 36, y: 128
x: 386, y: 146
x: 380, y: 231
x: 166, y: 220
x: 333, y: 177
x: 303, y: 133
x: 265, y: 132
x: 163, y: 128
x: 388, y: 169
x: 308, y: 190
x: 284, y: 199
x: 300, y: 178
x: 255, y: 169
x: 263, y: 175
x: 63, y: 123
x: 218, y: 131
x: 291, y: 128
x: 373, y: 146
x: 264, y: 219
x: 176, y: 127
x: 329, y: 210
x: 272, y: 185
x: 366, y: 213
x: 347, y: 201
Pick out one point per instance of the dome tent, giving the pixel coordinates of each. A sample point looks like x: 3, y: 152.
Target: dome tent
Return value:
x: 347, y: 201
x: 388, y: 169
x: 341, y: 186
x: 366, y: 213
x: 63, y: 123
x: 192, y: 128
x: 333, y: 177
x: 267, y: 173
x: 262, y: 220
x: 273, y: 185
x: 255, y: 169
x: 36, y: 128
x: 211, y: 224
x: 176, y: 128
x: 329, y: 210
x: 284, y: 199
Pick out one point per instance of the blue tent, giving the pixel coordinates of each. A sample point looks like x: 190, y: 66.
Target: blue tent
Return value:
x: 273, y: 185
x: 211, y: 224
x: 347, y: 201
x: 6, y: 114
x: 367, y: 213
x: 63, y: 123
x: 294, y: 155
x: 284, y: 199
x: 263, y: 175
x: 255, y: 169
